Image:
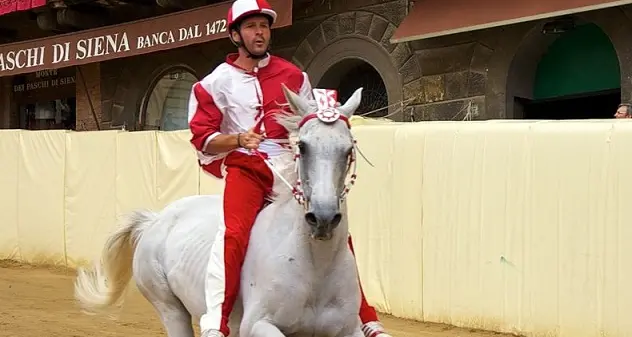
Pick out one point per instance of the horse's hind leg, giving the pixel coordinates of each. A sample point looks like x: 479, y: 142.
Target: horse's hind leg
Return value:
x: 176, y: 320
x: 174, y: 316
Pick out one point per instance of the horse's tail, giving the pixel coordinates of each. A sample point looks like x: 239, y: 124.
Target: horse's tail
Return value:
x: 103, y: 285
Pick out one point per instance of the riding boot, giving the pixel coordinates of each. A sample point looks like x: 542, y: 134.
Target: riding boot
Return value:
x: 212, y: 333
x: 374, y: 329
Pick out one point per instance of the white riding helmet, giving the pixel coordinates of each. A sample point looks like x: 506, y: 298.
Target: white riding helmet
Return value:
x: 242, y: 9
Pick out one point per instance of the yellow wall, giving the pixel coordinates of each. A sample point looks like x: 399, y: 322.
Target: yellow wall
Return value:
x: 506, y: 225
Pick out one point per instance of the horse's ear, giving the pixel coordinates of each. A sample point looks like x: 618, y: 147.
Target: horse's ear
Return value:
x: 352, y: 104
x: 299, y: 105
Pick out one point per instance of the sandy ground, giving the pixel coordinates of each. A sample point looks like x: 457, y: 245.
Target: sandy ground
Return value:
x: 38, y: 302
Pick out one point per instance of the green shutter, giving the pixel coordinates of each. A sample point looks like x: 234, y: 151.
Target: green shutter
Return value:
x: 580, y: 61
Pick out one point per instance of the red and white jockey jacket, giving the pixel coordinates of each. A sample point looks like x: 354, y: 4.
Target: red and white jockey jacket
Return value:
x: 231, y: 100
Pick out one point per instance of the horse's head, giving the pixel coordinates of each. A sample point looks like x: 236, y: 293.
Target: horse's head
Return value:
x: 325, y: 150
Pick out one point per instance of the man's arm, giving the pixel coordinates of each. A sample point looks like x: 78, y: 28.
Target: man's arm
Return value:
x: 222, y: 143
x: 205, y: 119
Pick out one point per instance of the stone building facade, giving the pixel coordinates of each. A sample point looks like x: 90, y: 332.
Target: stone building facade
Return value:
x: 319, y: 38
x: 342, y: 44
x: 478, y: 74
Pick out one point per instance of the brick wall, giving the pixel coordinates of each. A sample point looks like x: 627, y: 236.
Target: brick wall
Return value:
x: 5, y: 103
x: 88, y: 76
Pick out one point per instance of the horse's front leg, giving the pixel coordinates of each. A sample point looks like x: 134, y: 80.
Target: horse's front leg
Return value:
x: 262, y: 328
x: 356, y: 333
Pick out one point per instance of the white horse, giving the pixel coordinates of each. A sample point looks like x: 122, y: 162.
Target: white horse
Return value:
x: 299, y: 277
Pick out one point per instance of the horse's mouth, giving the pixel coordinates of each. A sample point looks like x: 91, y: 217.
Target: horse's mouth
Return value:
x: 321, y: 235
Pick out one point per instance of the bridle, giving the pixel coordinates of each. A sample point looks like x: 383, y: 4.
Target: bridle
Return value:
x: 328, y: 116
x: 327, y: 112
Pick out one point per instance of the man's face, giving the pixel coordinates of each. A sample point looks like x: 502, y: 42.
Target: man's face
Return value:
x: 255, y: 32
x: 622, y: 112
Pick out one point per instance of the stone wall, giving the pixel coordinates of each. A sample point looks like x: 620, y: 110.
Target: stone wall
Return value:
x: 472, y: 75
x: 323, y: 33
x: 475, y: 75
x: 125, y: 82
x: 88, y: 97
x: 453, y: 78
x: 361, y: 30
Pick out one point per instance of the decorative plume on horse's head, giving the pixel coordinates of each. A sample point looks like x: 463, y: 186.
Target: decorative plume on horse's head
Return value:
x: 325, y: 106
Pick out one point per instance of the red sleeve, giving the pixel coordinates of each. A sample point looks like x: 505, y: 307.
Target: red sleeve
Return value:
x: 206, y: 116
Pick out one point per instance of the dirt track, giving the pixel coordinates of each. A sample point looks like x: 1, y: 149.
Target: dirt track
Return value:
x: 37, y: 302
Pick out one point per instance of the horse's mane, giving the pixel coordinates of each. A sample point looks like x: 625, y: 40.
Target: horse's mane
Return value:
x: 282, y: 193
x: 289, y: 121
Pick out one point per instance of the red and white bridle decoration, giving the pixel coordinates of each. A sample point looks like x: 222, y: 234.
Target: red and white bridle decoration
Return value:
x: 327, y: 113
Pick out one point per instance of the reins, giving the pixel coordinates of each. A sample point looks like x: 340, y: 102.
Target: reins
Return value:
x: 325, y: 114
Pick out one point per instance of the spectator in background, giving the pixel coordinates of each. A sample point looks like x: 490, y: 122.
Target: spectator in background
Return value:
x: 624, y: 110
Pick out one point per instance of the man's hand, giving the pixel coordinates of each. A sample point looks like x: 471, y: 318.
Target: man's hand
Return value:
x: 249, y: 140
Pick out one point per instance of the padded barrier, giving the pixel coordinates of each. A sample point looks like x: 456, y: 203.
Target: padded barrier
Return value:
x: 514, y: 226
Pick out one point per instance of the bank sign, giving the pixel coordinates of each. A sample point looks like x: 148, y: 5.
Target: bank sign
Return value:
x: 165, y: 32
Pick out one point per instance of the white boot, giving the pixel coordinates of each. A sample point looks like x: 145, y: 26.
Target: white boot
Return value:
x: 374, y: 329
x: 212, y: 333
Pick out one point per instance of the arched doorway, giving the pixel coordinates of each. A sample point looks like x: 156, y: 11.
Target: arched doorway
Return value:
x: 350, y: 74
x: 165, y: 106
x: 578, y: 77
x: 352, y: 62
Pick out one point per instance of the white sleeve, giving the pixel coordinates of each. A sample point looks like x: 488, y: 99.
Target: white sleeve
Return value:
x: 306, y: 88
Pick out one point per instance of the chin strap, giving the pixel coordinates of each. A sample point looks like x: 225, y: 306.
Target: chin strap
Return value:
x: 242, y: 45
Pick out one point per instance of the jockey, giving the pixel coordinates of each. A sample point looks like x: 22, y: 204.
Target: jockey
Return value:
x: 224, y: 109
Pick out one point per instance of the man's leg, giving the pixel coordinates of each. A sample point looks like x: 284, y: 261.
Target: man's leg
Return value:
x: 371, y: 326
x: 244, y: 195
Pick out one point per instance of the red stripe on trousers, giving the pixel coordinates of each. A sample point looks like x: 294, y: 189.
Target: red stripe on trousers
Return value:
x: 367, y: 312
x: 248, y: 180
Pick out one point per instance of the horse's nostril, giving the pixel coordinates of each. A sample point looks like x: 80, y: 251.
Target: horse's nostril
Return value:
x: 336, y: 220
x: 310, y: 218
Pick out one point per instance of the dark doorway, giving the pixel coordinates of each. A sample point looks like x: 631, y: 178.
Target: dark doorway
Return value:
x: 53, y: 114
x: 588, y: 106
x: 348, y: 75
